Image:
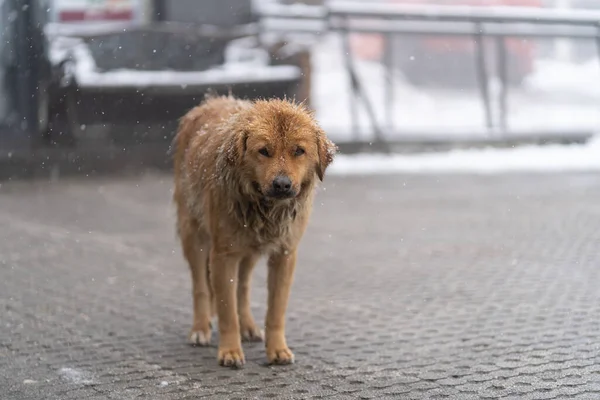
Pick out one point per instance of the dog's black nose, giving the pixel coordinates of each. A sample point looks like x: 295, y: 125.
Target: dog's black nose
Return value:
x: 282, y: 185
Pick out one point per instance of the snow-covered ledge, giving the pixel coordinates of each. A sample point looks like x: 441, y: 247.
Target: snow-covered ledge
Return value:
x: 87, y: 75
x: 526, y: 159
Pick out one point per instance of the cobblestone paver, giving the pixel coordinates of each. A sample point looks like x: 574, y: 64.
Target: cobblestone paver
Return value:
x: 407, y: 288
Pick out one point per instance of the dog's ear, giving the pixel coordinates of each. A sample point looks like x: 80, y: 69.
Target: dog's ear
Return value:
x: 326, y: 150
x: 236, y: 147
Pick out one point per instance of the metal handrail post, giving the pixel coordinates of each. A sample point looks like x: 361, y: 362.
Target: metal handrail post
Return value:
x: 502, y: 66
x: 483, y: 77
x: 353, y: 82
x: 388, y: 61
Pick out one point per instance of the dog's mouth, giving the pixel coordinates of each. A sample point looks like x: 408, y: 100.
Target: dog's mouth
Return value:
x: 272, y: 195
x: 282, y: 196
x: 256, y: 187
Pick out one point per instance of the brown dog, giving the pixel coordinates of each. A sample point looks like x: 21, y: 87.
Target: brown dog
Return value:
x: 245, y: 174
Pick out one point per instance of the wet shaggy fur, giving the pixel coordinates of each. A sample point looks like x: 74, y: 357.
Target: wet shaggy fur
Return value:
x: 228, y: 153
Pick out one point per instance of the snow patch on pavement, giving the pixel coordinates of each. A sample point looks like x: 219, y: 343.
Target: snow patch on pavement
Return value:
x: 550, y: 158
x: 75, y: 376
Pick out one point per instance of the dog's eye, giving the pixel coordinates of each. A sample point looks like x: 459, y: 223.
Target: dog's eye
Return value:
x: 299, y: 151
x: 264, y: 152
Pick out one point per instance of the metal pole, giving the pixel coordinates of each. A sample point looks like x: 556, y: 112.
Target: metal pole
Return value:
x: 28, y: 55
x: 598, y: 42
x: 388, y: 60
x: 353, y: 88
x: 159, y: 11
x: 360, y: 93
x: 482, y: 74
x: 501, y: 59
x: 563, y: 47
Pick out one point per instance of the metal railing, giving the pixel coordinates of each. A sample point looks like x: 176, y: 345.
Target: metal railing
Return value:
x: 479, y: 23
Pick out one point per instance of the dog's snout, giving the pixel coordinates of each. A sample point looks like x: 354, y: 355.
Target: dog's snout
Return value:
x: 282, y: 185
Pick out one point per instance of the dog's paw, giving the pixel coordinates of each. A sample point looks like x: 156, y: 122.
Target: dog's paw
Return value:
x: 251, y: 333
x: 281, y: 356
x: 233, y: 358
x: 200, y: 337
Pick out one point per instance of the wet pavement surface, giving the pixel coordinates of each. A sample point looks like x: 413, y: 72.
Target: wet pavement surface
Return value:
x: 416, y: 287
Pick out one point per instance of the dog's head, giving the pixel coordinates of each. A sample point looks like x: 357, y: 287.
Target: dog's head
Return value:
x: 279, y: 147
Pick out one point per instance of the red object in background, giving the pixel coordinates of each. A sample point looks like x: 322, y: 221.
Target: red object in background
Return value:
x: 447, y: 49
x: 107, y: 15
x: 516, y: 46
x: 96, y: 10
x: 523, y: 50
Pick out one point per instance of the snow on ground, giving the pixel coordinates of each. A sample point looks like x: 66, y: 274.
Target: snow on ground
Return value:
x: 559, y: 78
x: 551, y: 158
x: 556, y: 96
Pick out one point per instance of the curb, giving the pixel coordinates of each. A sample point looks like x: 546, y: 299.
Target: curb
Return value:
x: 101, y: 159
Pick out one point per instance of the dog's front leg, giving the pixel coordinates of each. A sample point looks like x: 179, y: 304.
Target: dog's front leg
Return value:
x: 249, y: 330
x: 224, y: 277
x: 281, y: 275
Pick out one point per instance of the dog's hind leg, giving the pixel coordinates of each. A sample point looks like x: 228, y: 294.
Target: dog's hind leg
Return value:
x: 248, y: 329
x: 196, y: 250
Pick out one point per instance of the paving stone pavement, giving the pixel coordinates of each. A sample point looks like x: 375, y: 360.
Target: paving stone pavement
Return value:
x: 408, y: 287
